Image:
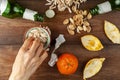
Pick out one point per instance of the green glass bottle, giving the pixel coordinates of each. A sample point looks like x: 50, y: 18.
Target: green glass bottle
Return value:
x: 11, y: 9
x: 105, y: 7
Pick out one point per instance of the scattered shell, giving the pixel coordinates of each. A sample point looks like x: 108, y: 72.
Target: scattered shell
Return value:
x: 71, y: 32
x: 84, y: 28
x: 89, y: 29
x: 66, y: 21
x: 80, y: 11
x: 74, y: 8
x: 79, y: 21
x: 84, y: 12
x: 77, y: 12
x: 80, y: 28
x: 78, y: 31
x: 74, y: 17
x: 86, y: 23
x: 79, y: 16
x: 71, y: 20
x: 89, y: 16
x: 71, y: 27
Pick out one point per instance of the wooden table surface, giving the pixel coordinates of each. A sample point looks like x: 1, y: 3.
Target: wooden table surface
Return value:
x: 11, y: 39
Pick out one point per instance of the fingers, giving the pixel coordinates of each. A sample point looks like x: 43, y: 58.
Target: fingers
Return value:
x: 35, y: 45
x: 43, y: 57
x: 40, y: 50
x: 27, y: 43
x: 37, y: 61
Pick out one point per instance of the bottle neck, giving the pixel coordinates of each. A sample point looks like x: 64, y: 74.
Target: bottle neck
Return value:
x: 105, y: 7
x: 102, y: 8
x: 115, y: 4
x: 12, y: 9
x: 32, y: 15
x: 39, y: 17
x: 27, y: 13
x: 7, y: 9
x: 94, y: 11
x: 18, y: 9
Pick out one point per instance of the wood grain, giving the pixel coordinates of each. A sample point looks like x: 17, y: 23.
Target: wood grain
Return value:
x: 12, y: 33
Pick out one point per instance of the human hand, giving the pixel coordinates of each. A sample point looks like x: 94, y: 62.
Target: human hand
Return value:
x: 28, y: 59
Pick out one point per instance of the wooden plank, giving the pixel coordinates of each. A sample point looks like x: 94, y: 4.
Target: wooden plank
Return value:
x: 110, y: 70
x: 12, y: 30
x: 12, y: 36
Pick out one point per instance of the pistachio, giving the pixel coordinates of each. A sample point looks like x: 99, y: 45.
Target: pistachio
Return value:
x: 75, y: 17
x: 78, y: 31
x: 66, y: 21
x: 86, y: 23
x: 80, y: 28
x: 89, y: 29
x: 71, y: 20
x: 80, y: 11
x: 84, y: 28
x: 84, y: 12
x: 79, y: 16
x: 71, y: 27
x: 74, y: 9
x: 78, y: 22
x: 71, y: 32
x: 77, y: 12
x: 89, y: 16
